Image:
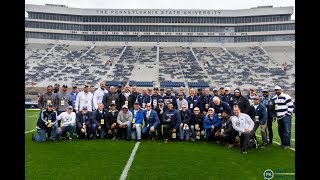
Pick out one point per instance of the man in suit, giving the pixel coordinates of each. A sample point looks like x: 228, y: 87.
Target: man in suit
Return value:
x: 151, y: 121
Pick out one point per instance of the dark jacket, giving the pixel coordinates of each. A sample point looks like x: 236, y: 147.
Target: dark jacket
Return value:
x: 175, y: 117
x: 171, y: 98
x: 185, y: 116
x: 44, y: 116
x: 158, y: 110
x: 155, y: 100
x: 111, y: 118
x: 97, y: 116
x: 228, y: 98
x: 195, y: 101
x: 205, y: 100
x: 123, y: 99
x: 215, y: 121
x: 197, y: 119
x: 261, y: 112
x: 143, y: 99
x: 80, y: 119
x: 132, y: 98
x: 153, y: 119
x: 226, y: 124
x: 242, y: 102
x: 109, y: 97
x: 222, y: 106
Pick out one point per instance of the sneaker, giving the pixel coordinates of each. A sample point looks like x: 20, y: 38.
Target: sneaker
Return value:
x: 193, y: 140
x: 264, y: 145
x: 138, y: 140
x: 181, y: 140
x: 230, y: 145
x: 218, y: 142
x: 286, y: 147
x: 114, y: 138
x: 166, y: 141
x: 70, y: 138
x: 244, y: 152
x: 226, y: 145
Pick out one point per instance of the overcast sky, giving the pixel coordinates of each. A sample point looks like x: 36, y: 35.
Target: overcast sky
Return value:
x: 167, y: 4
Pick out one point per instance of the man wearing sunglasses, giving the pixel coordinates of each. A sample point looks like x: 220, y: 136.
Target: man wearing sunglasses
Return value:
x: 196, y: 124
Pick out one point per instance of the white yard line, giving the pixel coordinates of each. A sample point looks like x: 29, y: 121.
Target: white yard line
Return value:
x: 129, y: 163
x: 29, y: 131
x: 279, y: 143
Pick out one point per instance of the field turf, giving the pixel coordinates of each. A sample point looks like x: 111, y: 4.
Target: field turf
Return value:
x: 106, y: 159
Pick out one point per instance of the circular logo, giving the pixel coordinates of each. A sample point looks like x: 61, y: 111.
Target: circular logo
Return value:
x: 268, y: 174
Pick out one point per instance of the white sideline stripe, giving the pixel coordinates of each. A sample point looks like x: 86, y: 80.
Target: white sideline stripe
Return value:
x: 29, y: 131
x: 292, y: 123
x: 33, y: 116
x: 278, y: 143
x: 293, y: 140
x: 129, y: 163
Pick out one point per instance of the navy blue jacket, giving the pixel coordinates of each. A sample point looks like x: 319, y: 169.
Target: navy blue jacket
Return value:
x: 153, y: 119
x: 80, y: 119
x: 196, y: 101
x: 143, y: 99
x: 215, y: 121
x: 185, y: 116
x: 269, y: 104
x: 222, y: 106
x: 174, y: 116
x: 170, y: 98
x: 44, y: 116
x: 228, y: 98
x: 155, y: 100
x: 97, y: 116
x: 261, y: 112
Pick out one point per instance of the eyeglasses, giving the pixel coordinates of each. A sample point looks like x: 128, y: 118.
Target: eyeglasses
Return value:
x: 124, y: 108
x: 148, y: 106
x: 195, y: 110
x: 180, y: 95
x: 85, y: 109
x: 184, y: 107
x: 251, y: 90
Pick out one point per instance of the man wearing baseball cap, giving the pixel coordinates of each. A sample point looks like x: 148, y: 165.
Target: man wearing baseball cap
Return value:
x: 112, y: 127
x: 283, y: 111
x: 124, y: 120
x: 68, y: 119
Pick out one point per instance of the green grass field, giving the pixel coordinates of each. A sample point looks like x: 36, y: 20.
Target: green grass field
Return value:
x: 106, y: 159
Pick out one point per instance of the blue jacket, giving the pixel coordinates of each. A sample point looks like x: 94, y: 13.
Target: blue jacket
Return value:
x: 262, y: 113
x: 222, y: 106
x: 153, y: 119
x: 174, y: 116
x: 138, y: 116
x: 215, y: 121
x: 196, y: 101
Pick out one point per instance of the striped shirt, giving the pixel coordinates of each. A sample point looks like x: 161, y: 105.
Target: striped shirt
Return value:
x: 283, y: 105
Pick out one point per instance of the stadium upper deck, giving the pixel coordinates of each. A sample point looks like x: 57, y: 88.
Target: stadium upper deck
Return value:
x: 260, y: 24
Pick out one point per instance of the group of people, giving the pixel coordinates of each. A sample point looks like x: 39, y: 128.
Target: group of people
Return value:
x: 152, y: 114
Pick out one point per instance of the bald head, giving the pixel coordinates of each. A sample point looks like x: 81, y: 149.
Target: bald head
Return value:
x: 216, y: 100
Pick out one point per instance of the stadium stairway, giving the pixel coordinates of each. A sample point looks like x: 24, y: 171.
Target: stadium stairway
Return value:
x: 42, y: 58
x: 184, y: 79
x: 201, y: 65
x: 113, y: 64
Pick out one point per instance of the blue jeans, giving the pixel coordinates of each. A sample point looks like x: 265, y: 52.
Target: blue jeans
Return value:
x: 146, y: 129
x: 184, y: 132
x: 69, y: 128
x: 126, y: 132
x: 284, y: 129
x: 41, y: 136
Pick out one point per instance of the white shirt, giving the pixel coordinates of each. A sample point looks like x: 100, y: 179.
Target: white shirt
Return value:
x: 67, y: 118
x: 97, y: 97
x: 148, y: 114
x: 242, y: 122
x: 183, y: 101
x: 82, y: 100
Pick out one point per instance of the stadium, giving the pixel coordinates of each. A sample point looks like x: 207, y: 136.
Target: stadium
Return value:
x: 166, y: 48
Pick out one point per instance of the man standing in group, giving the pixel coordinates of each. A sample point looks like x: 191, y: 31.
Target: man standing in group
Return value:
x: 98, y: 94
x: 143, y: 98
x: 260, y: 119
x: 155, y: 98
x: 241, y: 101
x: 205, y: 100
x: 73, y: 96
x: 133, y: 96
x: 181, y: 100
x: 56, y: 88
x: 47, y: 98
x: 84, y: 98
x: 125, y: 97
x: 168, y: 97
x: 193, y: 100
x: 283, y: 109
x: 228, y: 97
x: 62, y: 100
x: 269, y: 104
x: 111, y: 97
